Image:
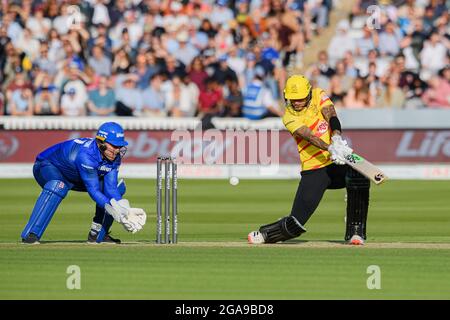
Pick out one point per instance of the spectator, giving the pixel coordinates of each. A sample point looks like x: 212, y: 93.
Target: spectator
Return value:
x: 43, y: 61
x: 392, y: 96
x: 100, y: 14
x: 102, y: 39
x: 102, y: 101
x: 21, y: 102
x: 19, y: 81
x: 438, y: 93
x: 389, y: 42
x: 13, y: 29
x: 63, y: 21
x: 127, y: 31
x: 55, y: 45
x: 197, y: 73
x: 73, y: 102
x: 221, y: 14
x: 100, y: 63
x: 318, y: 10
x: 358, y: 96
x: 340, y: 83
x: 382, y: 63
x: 317, y: 79
x: 323, y: 64
x: 46, y: 96
x: 78, y: 80
x: 350, y: 66
x: 46, y: 102
x: 368, y: 42
x: 173, y: 66
x: 122, y: 62
x: 211, y: 100
x: 233, y: 100
x: 175, y: 18
x: 39, y: 24
x: 128, y: 96
x: 223, y: 40
x: 414, y: 88
x: 222, y: 71
x: 418, y: 37
x: 341, y: 43
x: 258, y: 101
x: 194, y: 94
x: 153, y: 98
x: 180, y: 99
x: 144, y: 68
x: 433, y: 56
x: 186, y: 52
x: 236, y: 63
x: 27, y: 44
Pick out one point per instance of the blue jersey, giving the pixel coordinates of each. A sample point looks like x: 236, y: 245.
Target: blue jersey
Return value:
x: 81, y: 163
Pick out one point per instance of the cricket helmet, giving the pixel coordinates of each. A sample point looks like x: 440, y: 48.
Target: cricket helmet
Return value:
x: 297, y: 88
x: 112, y: 133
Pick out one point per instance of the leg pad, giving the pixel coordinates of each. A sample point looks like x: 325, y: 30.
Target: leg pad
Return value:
x: 284, y: 229
x: 47, y: 203
x: 357, y: 204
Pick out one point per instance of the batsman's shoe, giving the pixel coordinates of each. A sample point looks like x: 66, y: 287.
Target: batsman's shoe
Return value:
x: 92, y: 238
x: 255, y: 237
x: 356, y: 240
x: 31, y: 239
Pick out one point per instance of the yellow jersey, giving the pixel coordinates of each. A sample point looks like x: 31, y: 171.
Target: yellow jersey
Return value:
x: 311, y: 157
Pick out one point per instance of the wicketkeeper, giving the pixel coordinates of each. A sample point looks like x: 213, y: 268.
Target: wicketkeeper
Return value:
x: 311, y: 119
x: 88, y: 165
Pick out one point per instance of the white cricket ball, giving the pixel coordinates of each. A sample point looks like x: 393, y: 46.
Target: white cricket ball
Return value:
x: 234, y: 181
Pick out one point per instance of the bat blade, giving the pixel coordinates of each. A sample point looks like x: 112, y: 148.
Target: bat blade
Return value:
x: 366, y: 168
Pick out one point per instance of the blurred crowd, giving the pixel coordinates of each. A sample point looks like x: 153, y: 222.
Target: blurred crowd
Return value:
x: 398, y: 56
x: 229, y: 58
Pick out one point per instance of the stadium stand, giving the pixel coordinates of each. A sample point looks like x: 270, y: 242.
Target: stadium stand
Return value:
x: 196, y: 58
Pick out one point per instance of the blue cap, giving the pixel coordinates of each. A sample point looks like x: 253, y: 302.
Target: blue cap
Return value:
x: 112, y: 133
x: 222, y: 2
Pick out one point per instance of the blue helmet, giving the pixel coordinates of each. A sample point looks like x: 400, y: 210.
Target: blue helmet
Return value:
x: 112, y: 133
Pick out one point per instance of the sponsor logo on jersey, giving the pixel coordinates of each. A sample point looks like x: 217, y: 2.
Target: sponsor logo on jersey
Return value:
x: 105, y: 168
x: 322, y: 127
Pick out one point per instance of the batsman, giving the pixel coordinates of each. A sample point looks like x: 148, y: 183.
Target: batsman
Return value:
x: 311, y: 118
x: 88, y: 165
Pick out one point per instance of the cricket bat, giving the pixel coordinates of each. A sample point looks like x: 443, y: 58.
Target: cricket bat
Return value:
x: 366, y: 168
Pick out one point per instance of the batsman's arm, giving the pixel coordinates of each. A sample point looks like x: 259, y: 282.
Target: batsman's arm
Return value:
x: 330, y: 115
x: 306, y: 133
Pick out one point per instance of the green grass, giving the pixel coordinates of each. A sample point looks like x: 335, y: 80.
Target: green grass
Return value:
x: 215, y: 211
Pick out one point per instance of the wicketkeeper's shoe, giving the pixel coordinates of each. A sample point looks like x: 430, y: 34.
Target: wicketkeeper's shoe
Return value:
x: 356, y: 240
x: 110, y: 239
x: 255, y: 237
x: 92, y: 238
x: 31, y: 239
